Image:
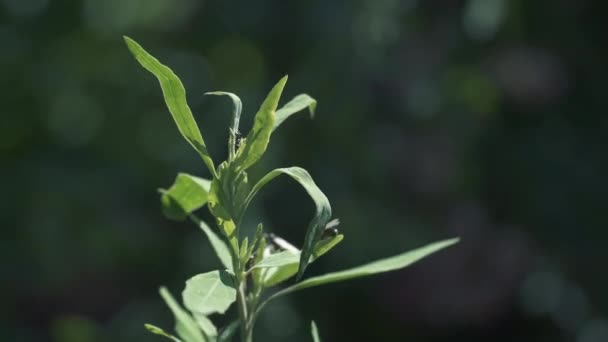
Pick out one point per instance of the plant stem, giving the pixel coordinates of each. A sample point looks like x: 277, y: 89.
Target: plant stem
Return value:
x: 242, y: 307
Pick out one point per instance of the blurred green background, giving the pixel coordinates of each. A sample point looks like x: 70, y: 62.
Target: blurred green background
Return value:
x: 482, y: 119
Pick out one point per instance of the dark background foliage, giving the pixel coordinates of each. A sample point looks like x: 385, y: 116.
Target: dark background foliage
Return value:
x: 481, y: 118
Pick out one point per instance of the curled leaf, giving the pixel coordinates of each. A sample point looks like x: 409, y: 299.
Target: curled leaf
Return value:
x: 322, y: 213
x: 187, y: 194
x: 296, y: 104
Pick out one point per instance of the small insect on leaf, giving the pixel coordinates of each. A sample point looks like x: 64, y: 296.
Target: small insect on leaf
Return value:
x: 238, y: 136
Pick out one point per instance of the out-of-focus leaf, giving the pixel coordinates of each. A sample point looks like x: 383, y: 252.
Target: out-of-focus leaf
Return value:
x: 257, y: 139
x: 185, y: 326
x: 219, y: 246
x: 228, y: 331
x: 379, y: 266
x: 187, y: 194
x: 158, y: 331
x: 322, y: 214
x: 296, y: 104
x: 315, y: 332
x: 206, y: 326
x: 175, y: 98
x: 211, y: 292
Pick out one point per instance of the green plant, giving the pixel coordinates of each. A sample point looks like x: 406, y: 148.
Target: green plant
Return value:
x: 254, y: 265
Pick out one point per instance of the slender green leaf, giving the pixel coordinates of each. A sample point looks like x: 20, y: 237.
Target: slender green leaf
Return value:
x: 158, y: 331
x: 323, y: 208
x: 185, y: 326
x: 219, y: 246
x: 206, y: 326
x: 324, y: 245
x: 257, y: 139
x: 228, y: 331
x: 296, y: 104
x: 187, y: 194
x: 277, y: 275
x: 379, y: 266
x: 257, y: 274
x: 315, y: 332
x: 244, y: 248
x: 175, y: 98
x: 209, y: 292
x: 279, y: 259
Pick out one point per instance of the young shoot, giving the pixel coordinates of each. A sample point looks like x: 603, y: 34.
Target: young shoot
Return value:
x: 252, y: 267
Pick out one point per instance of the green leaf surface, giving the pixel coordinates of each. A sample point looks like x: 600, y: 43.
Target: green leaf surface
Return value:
x: 257, y: 139
x: 185, y: 326
x: 322, y: 214
x: 211, y: 292
x: 379, y: 266
x: 277, y: 275
x: 296, y: 104
x: 175, y: 98
x: 279, y: 259
x: 219, y: 246
x: 324, y: 245
x: 187, y: 194
x: 315, y: 332
x: 158, y: 331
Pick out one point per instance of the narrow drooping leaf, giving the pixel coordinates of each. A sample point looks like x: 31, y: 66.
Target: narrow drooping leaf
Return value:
x: 187, y: 194
x: 322, y: 214
x: 257, y: 139
x: 237, y: 108
x: 315, y: 332
x: 185, y: 326
x: 175, y: 98
x: 219, y: 246
x: 228, y: 331
x: 379, y: 266
x: 208, y: 293
x: 296, y: 104
x: 206, y: 326
x: 158, y: 331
